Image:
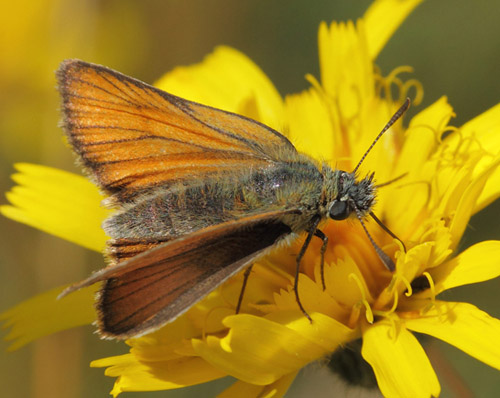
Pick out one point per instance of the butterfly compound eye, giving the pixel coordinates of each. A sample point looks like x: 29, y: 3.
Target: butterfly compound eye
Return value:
x: 339, y: 210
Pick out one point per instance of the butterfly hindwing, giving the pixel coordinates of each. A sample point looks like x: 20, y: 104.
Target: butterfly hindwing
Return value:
x: 153, y: 288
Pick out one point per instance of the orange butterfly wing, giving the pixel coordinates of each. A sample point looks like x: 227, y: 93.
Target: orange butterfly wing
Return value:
x: 153, y: 288
x: 133, y: 137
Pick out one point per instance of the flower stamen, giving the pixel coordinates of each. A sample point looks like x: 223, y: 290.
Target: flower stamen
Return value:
x: 402, y: 87
x: 395, y: 303
x: 419, y: 91
x: 393, y: 332
x: 363, y: 302
x: 409, y: 289
x: 446, y: 132
x: 432, y: 289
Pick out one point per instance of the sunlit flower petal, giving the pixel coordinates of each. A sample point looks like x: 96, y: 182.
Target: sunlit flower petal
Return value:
x: 68, y: 206
x: 307, y: 111
x: 229, y: 80
x: 60, y: 203
x: 397, y: 358
x: 346, y: 67
x: 478, y: 263
x: 382, y: 21
x: 464, y: 326
x: 247, y: 390
x: 485, y: 131
x: 469, y: 197
x: 45, y: 314
x: 134, y: 375
x: 267, y: 350
x: 422, y: 136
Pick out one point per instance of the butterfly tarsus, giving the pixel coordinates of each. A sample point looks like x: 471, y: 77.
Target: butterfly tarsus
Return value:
x: 310, y: 233
x: 319, y: 233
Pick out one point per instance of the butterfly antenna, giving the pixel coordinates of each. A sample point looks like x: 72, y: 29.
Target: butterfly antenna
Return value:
x: 393, y: 120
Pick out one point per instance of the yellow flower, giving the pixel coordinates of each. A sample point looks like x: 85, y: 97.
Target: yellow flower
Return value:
x: 447, y: 173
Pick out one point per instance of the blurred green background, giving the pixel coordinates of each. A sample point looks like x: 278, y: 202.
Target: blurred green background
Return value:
x: 454, y: 46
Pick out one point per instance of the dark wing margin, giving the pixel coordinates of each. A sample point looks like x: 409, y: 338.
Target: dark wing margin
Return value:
x: 132, y: 136
x: 153, y: 288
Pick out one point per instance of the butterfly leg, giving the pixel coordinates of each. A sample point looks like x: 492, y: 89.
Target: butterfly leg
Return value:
x: 242, y: 292
x: 310, y: 234
x: 319, y: 233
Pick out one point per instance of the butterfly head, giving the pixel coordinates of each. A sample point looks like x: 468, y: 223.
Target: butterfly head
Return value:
x: 345, y: 195
x: 353, y: 196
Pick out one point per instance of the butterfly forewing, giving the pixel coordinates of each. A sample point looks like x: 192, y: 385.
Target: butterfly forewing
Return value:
x: 132, y: 136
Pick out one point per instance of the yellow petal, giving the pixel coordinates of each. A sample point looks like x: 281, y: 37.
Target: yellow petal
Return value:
x: 441, y: 241
x: 45, y: 314
x: 311, y: 127
x: 341, y: 277
x: 229, y: 80
x: 314, y: 298
x: 57, y: 202
x: 420, y: 143
x: 422, y: 136
x: 382, y: 19
x: 277, y: 389
x: 486, y: 129
x: 345, y: 66
x: 464, y: 326
x: 134, y: 375
x: 490, y: 192
x: 478, y: 263
x: 468, y: 199
x: 399, y: 362
x: 410, y: 265
x: 260, y: 351
x: 479, y: 136
x: 170, y: 342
